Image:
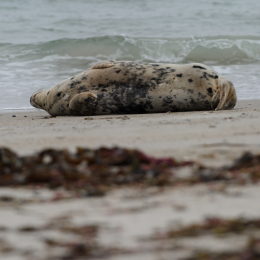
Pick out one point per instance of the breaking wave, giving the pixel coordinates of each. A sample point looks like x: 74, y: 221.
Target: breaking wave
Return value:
x: 219, y: 50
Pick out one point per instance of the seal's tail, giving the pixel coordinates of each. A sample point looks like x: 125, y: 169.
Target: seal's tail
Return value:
x: 35, y: 101
x: 225, y: 97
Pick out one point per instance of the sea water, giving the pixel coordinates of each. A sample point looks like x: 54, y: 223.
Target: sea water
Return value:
x: 44, y: 42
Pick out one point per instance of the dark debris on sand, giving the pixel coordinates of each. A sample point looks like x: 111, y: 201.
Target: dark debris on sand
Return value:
x: 212, y: 226
x: 219, y: 227
x: 94, y: 171
x: 251, y: 252
x: 83, y: 245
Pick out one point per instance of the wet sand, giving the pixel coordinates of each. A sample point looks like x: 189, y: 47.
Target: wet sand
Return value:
x: 33, y: 220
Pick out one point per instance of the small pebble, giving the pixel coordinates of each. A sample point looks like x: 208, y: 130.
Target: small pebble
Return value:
x: 14, y: 115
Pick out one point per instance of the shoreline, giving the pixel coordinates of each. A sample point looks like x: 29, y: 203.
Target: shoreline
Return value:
x: 211, y: 137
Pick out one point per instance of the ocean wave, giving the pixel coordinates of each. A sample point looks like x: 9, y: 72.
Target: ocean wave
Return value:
x: 219, y: 50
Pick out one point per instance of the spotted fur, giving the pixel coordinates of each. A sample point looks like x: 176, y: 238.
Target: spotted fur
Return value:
x: 128, y: 87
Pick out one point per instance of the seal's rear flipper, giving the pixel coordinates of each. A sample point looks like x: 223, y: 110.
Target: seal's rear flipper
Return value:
x: 83, y: 104
x: 225, y: 96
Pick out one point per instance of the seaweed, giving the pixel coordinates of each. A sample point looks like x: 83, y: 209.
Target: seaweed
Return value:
x: 251, y: 252
x: 212, y: 226
x: 92, y: 172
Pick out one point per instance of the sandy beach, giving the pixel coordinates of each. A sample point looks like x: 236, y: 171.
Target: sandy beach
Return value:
x: 211, y: 137
x: 32, y: 221
x: 164, y: 186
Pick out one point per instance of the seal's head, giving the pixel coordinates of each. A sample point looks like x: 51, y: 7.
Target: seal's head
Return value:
x: 37, y: 100
x: 225, y: 96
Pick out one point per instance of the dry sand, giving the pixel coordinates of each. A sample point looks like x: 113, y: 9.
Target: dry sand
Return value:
x: 212, y: 137
x: 126, y: 215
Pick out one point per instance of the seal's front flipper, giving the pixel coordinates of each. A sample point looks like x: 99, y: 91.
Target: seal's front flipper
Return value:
x: 83, y: 104
x: 104, y: 64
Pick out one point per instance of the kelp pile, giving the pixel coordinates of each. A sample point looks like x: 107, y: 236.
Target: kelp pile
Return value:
x: 219, y: 227
x: 88, y: 247
x: 245, y: 169
x: 251, y: 252
x: 81, y: 241
x: 94, y: 171
x: 213, y: 226
x: 89, y: 170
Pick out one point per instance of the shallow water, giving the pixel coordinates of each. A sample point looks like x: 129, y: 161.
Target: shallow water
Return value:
x: 44, y: 42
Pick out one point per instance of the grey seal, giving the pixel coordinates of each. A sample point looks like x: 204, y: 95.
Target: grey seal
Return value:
x: 127, y: 87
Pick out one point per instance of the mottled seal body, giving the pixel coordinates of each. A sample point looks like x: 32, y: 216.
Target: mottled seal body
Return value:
x: 128, y: 87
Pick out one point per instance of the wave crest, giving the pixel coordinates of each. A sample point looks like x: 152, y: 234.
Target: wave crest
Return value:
x: 224, y: 50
